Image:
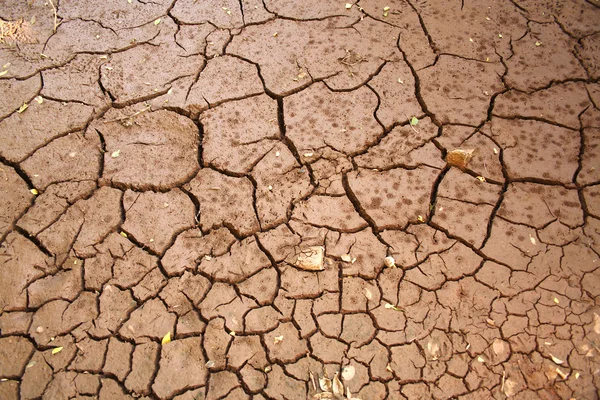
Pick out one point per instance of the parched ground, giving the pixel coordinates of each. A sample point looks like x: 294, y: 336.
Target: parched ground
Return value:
x: 265, y: 199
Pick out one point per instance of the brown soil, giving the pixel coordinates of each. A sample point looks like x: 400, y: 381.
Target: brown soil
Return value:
x: 281, y: 189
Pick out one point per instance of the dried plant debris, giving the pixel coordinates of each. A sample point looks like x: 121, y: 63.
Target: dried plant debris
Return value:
x: 311, y: 259
x: 460, y: 158
x: 332, y: 388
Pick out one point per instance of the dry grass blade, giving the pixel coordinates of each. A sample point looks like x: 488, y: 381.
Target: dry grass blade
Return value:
x: 55, y: 15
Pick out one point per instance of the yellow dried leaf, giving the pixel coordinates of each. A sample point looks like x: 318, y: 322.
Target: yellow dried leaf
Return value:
x: 39, y: 99
x: 57, y: 350
x: 386, y: 8
x: 348, y: 6
x: 389, y: 262
x: 277, y: 339
x: 338, y: 388
x: 34, y: 191
x: 267, y: 369
x: 24, y: 107
x: 157, y: 21
x: 232, y: 333
x: 123, y: 234
x: 389, y: 368
x: 4, y: 72
x: 116, y: 153
x: 538, y: 43
x: 166, y: 339
x: 346, y: 258
x: 420, y: 219
x: 481, y: 179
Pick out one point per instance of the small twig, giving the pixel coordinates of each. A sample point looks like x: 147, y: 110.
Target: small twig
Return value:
x: 55, y: 15
x: 135, y: 114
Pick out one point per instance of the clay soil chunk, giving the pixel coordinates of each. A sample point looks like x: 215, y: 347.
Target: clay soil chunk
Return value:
x: 173, y: 212
x: 175, y: 372
x: 232, y: 145
x: 158, y: 150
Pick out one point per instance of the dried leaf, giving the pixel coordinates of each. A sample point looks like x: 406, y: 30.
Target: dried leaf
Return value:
x: 325, y: 384
x: 509, y: 387
x: 597, y: 323
x: 389, y: 368
x: 368, y: 294
x: 348, y: 6
x: 31, y: 364
x: 414, y: 121
x: 116, y: 153
x: 389, y: 262
x: 480, y: 359
x: 278, y: 339
x: 323, y: 395
x: 556, y: 360
x: 490, y: 322
x: 34, y: 191
x: 232, y: 333
x: 481, y: 179
x: 157, y: 21
x: 210, y: 364
x: 123, y: 234
x: 420, y: 219
x: 386, y: 8
x: 167, y: 338
x: 538, y: 43
x: 556, y: 300
x: 338, y: 388
x: 312, y: 380
x: 498, y: 346
x: 532, y: 240
x: 267, y: 369
x: 460, y: 157
x: 346, y: 258
x: 391, y: 307
x: 39, y: 99
x: 57, y: 350
x: 348, y: 372
x: 2, y: 73
x: 24, y: 107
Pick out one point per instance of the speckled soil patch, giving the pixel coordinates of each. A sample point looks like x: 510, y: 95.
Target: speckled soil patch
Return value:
x: 282, y: 200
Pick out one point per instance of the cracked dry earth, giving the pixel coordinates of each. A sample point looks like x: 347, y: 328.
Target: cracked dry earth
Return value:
x: 167, y: 166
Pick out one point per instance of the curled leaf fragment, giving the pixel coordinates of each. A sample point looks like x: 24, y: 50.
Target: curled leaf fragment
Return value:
x: 325, y: 384
x: 389, y: 262
x: 34, y: 191
x: 414, y: 121
x: 338, y: 388
x: 556, y: 360
x: 24, y: 107
x: 278, y: 339
x: 57, y: 350
x: 157, y: 21
x: 391, y: 307
x: 2, y: 73
x: 167, y: 338
x: 346, y: 258
x: 116, y: 153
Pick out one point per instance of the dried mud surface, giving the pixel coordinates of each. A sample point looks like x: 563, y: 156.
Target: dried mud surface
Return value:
x: 166, y: 167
